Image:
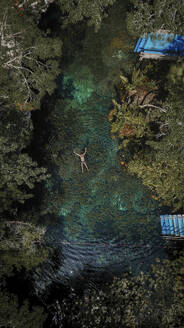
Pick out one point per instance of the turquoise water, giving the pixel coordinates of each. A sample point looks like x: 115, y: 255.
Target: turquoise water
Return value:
x: 107, y: 219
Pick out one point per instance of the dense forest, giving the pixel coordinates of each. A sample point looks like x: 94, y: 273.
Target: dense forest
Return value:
x: 146, y: 118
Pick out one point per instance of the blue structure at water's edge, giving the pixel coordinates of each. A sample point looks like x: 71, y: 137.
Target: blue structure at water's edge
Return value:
x: 162, y: 44
x: 172, y: 226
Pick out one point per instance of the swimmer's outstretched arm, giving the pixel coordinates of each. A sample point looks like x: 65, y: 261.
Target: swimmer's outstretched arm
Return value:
x: 84, y: 152
x: 76, y: 153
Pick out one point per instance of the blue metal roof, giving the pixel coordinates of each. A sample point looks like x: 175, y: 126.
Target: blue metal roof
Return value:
x: 172, y: 225
x: 161, y: 44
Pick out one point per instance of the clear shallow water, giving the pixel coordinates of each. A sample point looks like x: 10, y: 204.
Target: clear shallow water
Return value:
x: 107, y: 219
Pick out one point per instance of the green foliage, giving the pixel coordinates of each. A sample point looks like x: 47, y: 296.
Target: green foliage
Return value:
x: 175, y: 85
x: 176, y: 73
x: 12, y: 315
x: 132, y: 123
x: 21, y: 248
x: 15, y: 130
x: 161, y: 167
x: 154, y: 128
x: 33, y: 8
x: 21, y: 245
x: 76, y: 11
x: 147, y: 300
x: 164, y: 177
x: 130, y: 119
x: 22, y: 259
x: 151, y: 16
x: 28, y: 64
x: 18, y: 235
x: 18, y: 172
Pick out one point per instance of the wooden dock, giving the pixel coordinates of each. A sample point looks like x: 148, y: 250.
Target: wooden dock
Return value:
x: 145, y: 55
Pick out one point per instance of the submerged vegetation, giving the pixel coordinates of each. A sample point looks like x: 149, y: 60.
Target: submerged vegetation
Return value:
x: 147, y: 120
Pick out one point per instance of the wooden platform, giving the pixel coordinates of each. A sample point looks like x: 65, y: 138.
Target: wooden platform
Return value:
x: 145, y: 55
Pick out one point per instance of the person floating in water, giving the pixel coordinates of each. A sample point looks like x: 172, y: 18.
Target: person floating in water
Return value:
x: 83, y: 162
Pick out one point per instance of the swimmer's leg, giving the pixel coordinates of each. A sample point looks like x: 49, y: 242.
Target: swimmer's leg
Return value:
x: 82, y: 166
x: 86, y: 166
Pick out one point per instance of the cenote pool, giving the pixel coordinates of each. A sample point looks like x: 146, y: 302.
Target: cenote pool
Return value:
x: 107, y: 219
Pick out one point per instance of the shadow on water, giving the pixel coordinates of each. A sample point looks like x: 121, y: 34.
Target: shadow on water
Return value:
x: 107, y: 220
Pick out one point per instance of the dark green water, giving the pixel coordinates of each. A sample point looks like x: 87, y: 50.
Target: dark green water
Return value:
x: 107, y: 219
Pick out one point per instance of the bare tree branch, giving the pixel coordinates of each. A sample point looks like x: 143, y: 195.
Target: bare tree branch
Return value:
x: 149, y: 105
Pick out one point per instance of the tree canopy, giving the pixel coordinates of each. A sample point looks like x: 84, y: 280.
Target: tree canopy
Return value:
x: 150, y: 125
x: 28, y: 64
x: 14, y: 315
x: 92, y: 11
x: 153, y: 299
x: 19, y: 173
x: 151, y: 16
